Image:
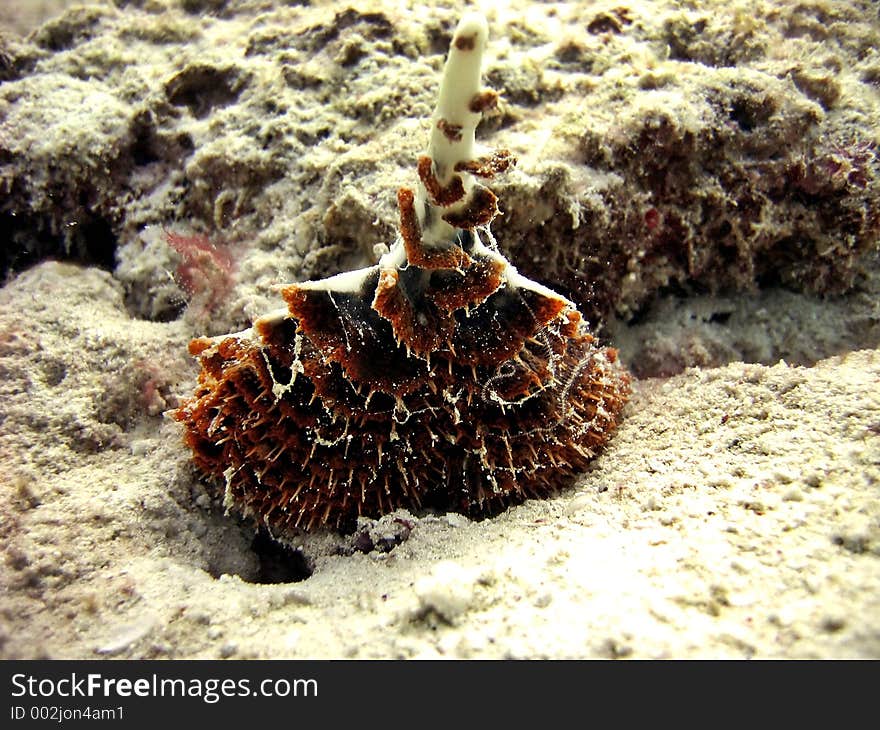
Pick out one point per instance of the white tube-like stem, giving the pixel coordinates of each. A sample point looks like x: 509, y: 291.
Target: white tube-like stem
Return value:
x: 454, y: 125
x: 452, y: 136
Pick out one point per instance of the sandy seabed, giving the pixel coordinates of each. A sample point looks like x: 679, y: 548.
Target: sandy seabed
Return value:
x: 735, y: 514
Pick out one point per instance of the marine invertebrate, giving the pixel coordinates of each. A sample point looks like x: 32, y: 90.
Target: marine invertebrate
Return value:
x: 206, y: 270
x: 439, y: 376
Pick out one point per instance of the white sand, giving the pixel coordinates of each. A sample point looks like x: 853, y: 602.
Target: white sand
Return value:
x: 735, y: 514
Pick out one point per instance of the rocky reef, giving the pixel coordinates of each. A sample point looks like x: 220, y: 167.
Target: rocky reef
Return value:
x: 664, y: 151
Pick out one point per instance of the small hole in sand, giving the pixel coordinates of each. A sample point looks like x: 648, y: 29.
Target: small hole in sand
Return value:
x: 279, y: 563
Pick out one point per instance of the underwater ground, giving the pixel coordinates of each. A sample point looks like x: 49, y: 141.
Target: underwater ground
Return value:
x: 702, y: 178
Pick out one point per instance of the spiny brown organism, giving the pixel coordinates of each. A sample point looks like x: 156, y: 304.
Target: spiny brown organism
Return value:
x: 438, y: 377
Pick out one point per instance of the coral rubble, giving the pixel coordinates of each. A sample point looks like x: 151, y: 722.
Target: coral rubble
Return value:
x: 439, y: 376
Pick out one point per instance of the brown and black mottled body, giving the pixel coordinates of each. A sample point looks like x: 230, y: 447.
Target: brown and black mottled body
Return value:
x: 429, y: 387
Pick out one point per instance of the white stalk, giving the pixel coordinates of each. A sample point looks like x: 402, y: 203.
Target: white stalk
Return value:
x: 459, y: 85
x: 454, y: 125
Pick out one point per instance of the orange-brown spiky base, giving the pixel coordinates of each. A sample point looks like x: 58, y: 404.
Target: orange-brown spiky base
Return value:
x: 428, y: 386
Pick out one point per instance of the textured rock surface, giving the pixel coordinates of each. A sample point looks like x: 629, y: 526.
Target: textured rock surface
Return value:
x: 736, y: 512
x: 722, y: 148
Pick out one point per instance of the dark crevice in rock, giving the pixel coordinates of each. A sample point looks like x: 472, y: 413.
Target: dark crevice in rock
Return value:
x: 201, y: 88
x: 90, y: 241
